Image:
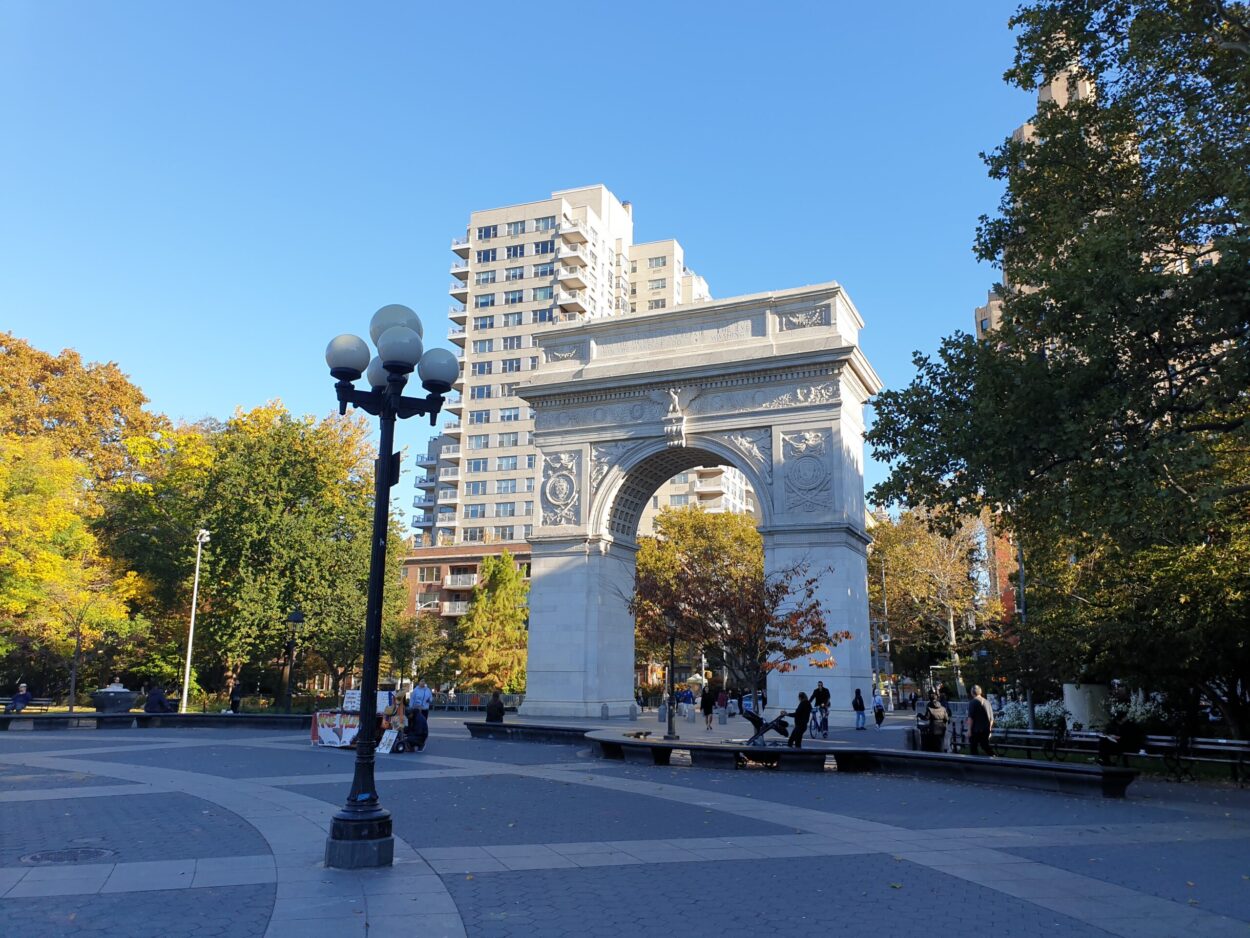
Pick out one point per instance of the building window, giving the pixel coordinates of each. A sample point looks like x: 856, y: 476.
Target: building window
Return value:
x: 654, y: 262
x: 681, y: 478
x: 515, y: 250
x: 544, y: 247
x: 484, y: 276
x: 505, y: 463
x: 509, y: 414
x: 656, y: 304
x: 633, y: 267
x: 544, y: 270
x: 655, y: 501
x: 479, y: 416
x: 481, y: 368
x: 475, y: 488
x: 475, y: 465
x: 483, y: 300
x: 472, y: 535
x: 486, y: 232
x: 505, y: 510
x: 510, y: 439
x: 543, y: 293
x: 516, y: 228
x: 482, y: 346
x: 512, y: 297
x: 475, y: 511
x: 510, y: 365
x: 486, y: 257
x: 429, y: 574
x: 512, y: 342
x: 659, y: 283
x: 546, y: 223
x: 509, y: 389
x: 529, y: 482
x: 505, y: 533
x: 633, y: 307
x: 544, y: 315
x: 483, y: 322
x: 528, y: 531
x: 479, y: 441
x: 529, y: 462
x: 533, y: 363
x: 985, y: 325
x: 528, y: 509
x: 505, y: 486
x: 679, y: 501
x: 514, y: 273
x: 479, y: 392
x: 513, y: 319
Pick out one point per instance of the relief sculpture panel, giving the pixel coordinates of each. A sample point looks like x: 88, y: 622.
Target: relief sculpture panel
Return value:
x: 805, y: 459
x: 561, y: 497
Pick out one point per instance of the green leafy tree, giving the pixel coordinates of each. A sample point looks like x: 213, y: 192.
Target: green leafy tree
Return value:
x: 494, y: 630
x: 422, y: 646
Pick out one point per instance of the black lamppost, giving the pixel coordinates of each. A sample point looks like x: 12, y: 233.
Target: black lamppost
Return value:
x: 360, y: 831
x: 294, y: 620
x: 672, y: 684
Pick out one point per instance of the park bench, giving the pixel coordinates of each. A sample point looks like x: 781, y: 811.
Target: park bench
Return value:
x: 526, y: 732
x: 36, y: 705
x: 642, y: 747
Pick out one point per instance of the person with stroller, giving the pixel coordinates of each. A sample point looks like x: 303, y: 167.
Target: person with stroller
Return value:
x: 802, y: 716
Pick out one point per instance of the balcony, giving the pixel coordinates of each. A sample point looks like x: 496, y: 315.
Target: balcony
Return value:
x: 574, y: 277
x: 460, y: 246
x: 573, y: 300
x: 571, y: 256
x: 454, y: 405
x: 450, y: 453
x: 448, y: 496
x: 459, y: 291
x: 455, y: 609
x: 460, y: 270
x: 427, y: 461
x: 427, y: 482
x: 422, y: 521
x: 453, y: 428
x: 573, y: 232
x: 423, y: 501
x: 448, y: 472
x: 459, y: 581
x: 455, y: 335
x: 458, y: 314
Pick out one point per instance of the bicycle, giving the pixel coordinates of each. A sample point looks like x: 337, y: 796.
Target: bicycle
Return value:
x: 819, y: 723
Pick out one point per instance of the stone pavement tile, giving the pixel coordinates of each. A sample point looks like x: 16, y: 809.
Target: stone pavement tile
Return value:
x: 10, y: 877
x: 428, y: 904
x: 452, y: 853
x: 520, y: 850
x: 218, y: 872
x: 468, y: 865
x: 725, y: 853
x: 62, y: 880
x: 615, y: 858
x: 534, y: 862
x: 1156, y: 926
x: 407, y: 926
x: 348, y: 926
x: 304, y: 908
x: 569, y: 850
x: 150, y: 875
x: 777, y: 852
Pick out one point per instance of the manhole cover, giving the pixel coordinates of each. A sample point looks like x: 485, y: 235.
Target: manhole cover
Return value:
x: 75, y: 855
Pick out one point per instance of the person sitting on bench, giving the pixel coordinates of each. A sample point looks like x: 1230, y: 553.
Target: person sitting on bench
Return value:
x: 20, y: 701
x: 494, y: 709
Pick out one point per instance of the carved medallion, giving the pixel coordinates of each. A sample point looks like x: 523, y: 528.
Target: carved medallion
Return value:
x: 561, y: 501
x: 806, y: 469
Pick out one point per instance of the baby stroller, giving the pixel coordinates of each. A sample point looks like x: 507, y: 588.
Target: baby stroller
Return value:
x: 761, y: 728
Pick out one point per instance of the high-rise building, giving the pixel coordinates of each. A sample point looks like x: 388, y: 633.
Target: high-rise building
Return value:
x: 517, y: 270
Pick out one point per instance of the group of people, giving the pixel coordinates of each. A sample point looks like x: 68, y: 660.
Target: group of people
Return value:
x: 934, y: 720
x: 410, y: 715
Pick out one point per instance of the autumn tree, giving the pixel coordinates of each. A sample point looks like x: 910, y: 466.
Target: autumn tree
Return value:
x: 86, y: 411
x: 422, y: 646
x: 494, y: 631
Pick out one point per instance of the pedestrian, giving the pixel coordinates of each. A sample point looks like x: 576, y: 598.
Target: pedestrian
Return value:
x: 980, y: 723
x: 157, y: 702
x: 858, y: 706
x: 802, y: 716
x: 236, y: 697
x: 944, y: 698
x: 722, y: 699
x: 932, y: 723
x: 878, y: 708
x: 707, y: 704
x: 19, y: 701
x: 494, y: 709
x: 421, y: 698
x: 914, y: 698
x: 418, y: 730
x: 820, y: 706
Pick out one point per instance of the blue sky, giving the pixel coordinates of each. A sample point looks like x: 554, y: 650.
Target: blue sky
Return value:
x: 206, y: 193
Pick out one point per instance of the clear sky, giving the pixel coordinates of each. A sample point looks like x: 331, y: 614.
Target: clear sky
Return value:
x: 206, y: 193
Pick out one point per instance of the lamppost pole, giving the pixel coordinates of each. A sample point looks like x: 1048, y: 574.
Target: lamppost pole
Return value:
x: 360, y: 831
x: 201, y: 538
x: 672, y: 680
x: 294, y: 620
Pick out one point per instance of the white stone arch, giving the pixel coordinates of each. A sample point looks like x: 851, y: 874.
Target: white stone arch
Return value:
x: 773, y: 385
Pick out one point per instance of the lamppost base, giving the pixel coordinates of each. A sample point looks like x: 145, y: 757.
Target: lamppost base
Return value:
x: 360, y: 841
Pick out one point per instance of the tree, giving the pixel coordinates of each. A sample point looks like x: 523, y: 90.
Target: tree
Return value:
x: 495, y: 629
x: 701, y: 579
x: 421, y: 646
x: 86, y: 411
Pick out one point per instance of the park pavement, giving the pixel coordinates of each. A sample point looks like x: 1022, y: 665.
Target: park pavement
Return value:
x: 221, y: 832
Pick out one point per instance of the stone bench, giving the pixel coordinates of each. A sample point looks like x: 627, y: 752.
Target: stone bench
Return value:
x: 89, y: 720
x: 1110, y: 781
x: 526, y: 732
x: 645, y: 749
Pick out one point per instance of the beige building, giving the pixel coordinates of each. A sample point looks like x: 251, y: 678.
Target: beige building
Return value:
x: 516, y: 271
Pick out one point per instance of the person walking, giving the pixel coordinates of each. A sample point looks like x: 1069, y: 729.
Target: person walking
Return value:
x: 932, y: 723
x: 980, y: 723
x: 421, y: 698
x: 858, y: 706
x: 878, y: 708
x: 707, y: 704
x: 236, y: 697
x: 802, y: 716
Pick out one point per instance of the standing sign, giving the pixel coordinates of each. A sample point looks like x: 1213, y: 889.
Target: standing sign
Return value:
x: 335, y: 728
x: 351, y: 701
x: 387, y: 743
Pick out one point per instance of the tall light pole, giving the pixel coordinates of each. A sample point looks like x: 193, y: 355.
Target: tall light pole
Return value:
x: 360, y: 831
x: 201, y: 538
x: 294, y: 620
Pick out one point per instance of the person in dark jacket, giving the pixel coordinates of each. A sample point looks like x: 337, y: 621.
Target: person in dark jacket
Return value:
x: 157, y: 702
x: 20, y: 701
x: 418, y: 729
x: 932, y: 723
x: 494, y: 709
x: 980, y: 723
x: 707, y: 704
x: 236, y: 697
x: 858, y: 706
x: 802, y: 716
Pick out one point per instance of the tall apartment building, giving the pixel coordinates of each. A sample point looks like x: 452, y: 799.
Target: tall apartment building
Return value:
x: 517, y: 270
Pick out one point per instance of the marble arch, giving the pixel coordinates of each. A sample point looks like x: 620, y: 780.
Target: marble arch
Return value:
x: 773, y: 384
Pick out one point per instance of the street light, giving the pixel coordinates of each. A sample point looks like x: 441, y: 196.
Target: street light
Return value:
x: 672, y: 683
x: 360, y: 831
x: 201, y: 538
x: 294, y: 620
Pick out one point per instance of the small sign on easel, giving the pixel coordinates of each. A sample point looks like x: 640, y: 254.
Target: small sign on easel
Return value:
x: 387, y: 743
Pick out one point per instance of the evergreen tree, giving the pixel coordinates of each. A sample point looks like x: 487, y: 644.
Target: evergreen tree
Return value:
x: 495, y: 629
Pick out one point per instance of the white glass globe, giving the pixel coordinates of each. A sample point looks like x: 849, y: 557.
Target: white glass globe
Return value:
x: 394, y: 315
x: 376, y: 375
x: 400, y: 344
x: 438, y: 370
x: 348, y: 352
